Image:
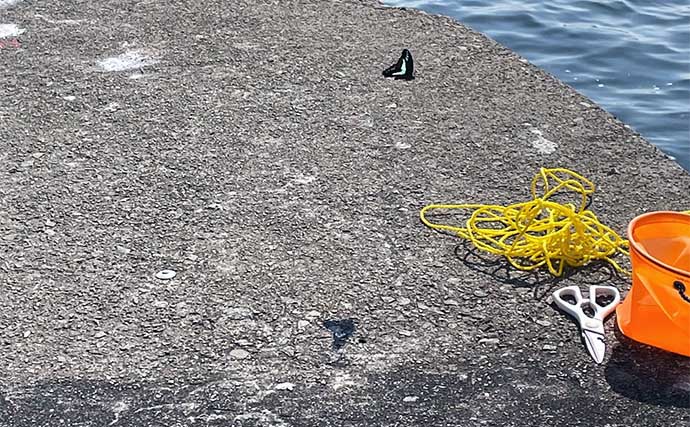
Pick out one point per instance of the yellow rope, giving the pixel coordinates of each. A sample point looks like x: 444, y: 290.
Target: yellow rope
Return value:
x: 541, y: 231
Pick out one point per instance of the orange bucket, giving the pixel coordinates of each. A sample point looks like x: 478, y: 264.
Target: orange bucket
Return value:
x: 656, y: 311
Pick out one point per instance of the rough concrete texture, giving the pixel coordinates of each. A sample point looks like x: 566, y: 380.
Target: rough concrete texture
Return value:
x: 255, y: 149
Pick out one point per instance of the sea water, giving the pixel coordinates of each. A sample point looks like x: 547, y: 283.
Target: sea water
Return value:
x: 632, y: 57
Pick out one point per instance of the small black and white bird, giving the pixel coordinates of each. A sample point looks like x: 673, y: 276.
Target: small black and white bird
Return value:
x: 403, y: 69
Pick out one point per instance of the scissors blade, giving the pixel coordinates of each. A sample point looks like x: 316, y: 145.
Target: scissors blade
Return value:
x: 596, y: 344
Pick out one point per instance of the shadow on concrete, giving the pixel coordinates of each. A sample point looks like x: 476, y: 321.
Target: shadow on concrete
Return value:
x: 647, y: 374
x: 465, y: 393
x: 540, y: 280
x: 402, y: 396
x: 113, y: 403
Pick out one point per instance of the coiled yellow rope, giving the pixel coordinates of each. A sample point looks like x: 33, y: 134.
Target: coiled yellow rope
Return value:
x: 541, y: 231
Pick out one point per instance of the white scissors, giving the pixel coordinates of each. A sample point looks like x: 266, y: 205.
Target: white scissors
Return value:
x: 592, y: 326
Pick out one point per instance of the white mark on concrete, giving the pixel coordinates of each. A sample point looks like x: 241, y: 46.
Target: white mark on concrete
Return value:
x: 209, y: 418
x: 7, y: 3
x: 305, y: 179
x: 237, y: 313
x: 129, y: 60
x: 302, y: 324
x: 10, y: 30
x: 313, y: 314
x: 223, y: 384
x: 118, y: 408
x: 160, y: 304
x: 69, y: 98
x: 410, y: 399
x: 543, y: 145
x: 343, y: 380
x: 377, y: 361
x: 522, y: 387
x: 59, y: 21
x: 113, y: 106
x: 185, y: 407
x: 285, y: 386
x: 264, y: 417
x: 137, y: 76
x: 240, y: 354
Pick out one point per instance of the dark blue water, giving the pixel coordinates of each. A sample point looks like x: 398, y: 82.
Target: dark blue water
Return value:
x: 632, y: 57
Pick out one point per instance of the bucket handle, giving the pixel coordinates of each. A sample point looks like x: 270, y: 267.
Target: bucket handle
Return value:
x: 680, y: 287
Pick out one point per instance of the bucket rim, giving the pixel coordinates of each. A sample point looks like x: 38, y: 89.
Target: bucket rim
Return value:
x: 639, y: 249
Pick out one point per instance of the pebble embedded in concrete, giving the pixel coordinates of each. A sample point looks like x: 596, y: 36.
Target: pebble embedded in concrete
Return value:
x: 285, y: 386
x: 239, y: 354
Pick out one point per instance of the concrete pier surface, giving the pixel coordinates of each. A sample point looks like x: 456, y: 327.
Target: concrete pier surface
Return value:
x: 254, y: 148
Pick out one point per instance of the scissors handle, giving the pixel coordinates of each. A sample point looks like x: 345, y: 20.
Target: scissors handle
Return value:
x: 576, y: 309
x: 608, y: 291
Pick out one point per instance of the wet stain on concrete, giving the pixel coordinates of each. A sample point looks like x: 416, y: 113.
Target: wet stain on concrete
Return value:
x: 342, y: 330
